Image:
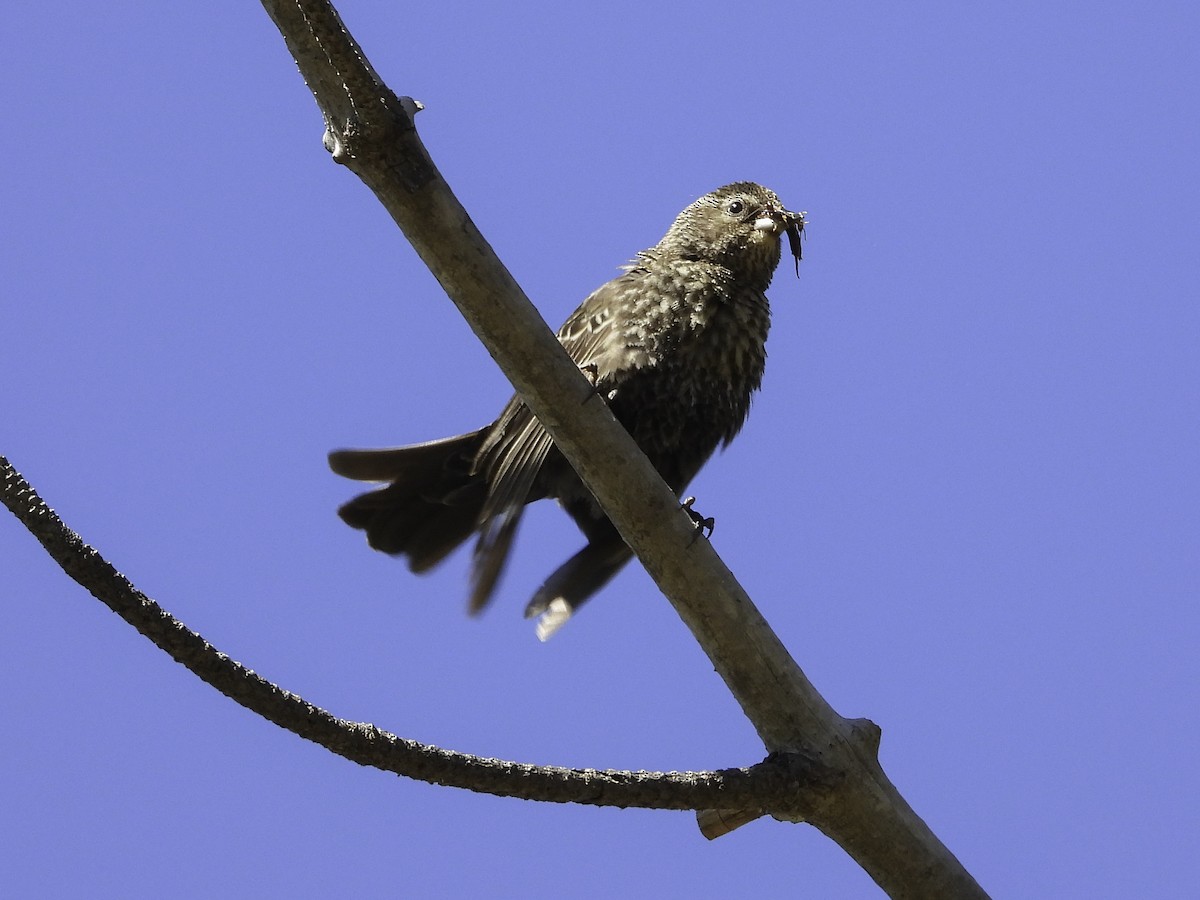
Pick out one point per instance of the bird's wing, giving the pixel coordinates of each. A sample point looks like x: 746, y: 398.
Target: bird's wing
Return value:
x: 510, y: 460
x: 587, y: 333
x: 516, y: 446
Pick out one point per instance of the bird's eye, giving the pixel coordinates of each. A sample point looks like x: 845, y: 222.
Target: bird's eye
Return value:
x: 735, y: 207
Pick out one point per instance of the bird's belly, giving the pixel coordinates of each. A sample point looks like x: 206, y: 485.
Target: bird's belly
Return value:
x: 679, y: 414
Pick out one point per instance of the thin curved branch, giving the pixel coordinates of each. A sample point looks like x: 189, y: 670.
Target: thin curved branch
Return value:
x: 370, y: 746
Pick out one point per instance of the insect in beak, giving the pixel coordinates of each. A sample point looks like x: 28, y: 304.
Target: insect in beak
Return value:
x: 791, y: 222
x: 795, y: 229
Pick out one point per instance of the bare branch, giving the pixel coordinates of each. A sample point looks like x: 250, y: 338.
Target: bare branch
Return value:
x: 368, y: 745
x: 372, y: 134
x: 389, y: 157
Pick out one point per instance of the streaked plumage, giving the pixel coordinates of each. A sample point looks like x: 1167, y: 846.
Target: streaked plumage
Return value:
x: 675, y: 345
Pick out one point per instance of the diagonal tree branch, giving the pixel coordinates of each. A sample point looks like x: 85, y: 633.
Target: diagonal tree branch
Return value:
x: 757, y: 786
x: 372, y: 133
x: 376, y: 139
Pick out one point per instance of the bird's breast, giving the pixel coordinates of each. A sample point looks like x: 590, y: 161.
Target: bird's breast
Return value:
x: 694, y: 353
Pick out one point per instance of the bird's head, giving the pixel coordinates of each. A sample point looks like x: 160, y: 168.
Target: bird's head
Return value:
x: 739, y: 227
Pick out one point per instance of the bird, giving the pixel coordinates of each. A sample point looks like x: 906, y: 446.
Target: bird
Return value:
x: 675, y: 344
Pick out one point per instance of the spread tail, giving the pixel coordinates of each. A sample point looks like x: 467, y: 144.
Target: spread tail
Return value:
x: 432, y: 505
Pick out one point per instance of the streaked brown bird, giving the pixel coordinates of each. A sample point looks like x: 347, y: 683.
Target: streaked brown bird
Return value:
x: 675, y: 345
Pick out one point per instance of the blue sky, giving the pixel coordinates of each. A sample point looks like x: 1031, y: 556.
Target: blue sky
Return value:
x: 967, y: 497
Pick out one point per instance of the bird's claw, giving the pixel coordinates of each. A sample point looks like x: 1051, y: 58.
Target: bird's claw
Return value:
x: 704, y: 525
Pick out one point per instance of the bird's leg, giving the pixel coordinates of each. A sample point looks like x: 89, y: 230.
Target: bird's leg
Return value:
x: 702, y: 524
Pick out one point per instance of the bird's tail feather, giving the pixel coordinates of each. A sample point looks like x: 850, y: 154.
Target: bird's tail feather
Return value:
x: 432, y: 504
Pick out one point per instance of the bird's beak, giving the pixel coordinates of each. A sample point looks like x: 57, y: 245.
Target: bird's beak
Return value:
x: 770, y: 222
x: 773, y: 220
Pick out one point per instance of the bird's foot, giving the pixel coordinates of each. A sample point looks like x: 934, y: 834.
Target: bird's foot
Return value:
x: 703, y: 525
